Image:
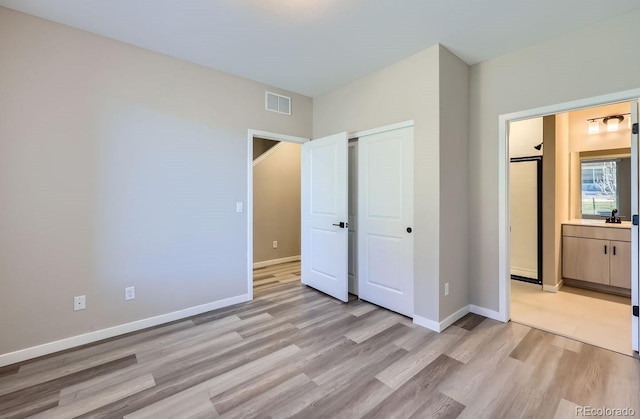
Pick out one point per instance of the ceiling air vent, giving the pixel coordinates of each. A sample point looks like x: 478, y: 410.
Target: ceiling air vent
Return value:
x: 278, y: 103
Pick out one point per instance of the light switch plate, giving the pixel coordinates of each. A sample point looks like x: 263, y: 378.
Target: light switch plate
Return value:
x: 239, y: 207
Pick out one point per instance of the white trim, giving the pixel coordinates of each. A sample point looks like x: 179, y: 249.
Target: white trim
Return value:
x: 504, y: 260
x: 481, y: 311
x: 427, y: 323
x: 275, y: 261
x: 552, y: 288
x: 98, y: 335
x: 440, y: 326
x: 454, y: 317
x: 504, y: 283
x: 249, y: 207
x: 275, y: 137
x: 266, y: 154
x: 378, y: 130
x: 634, y: 228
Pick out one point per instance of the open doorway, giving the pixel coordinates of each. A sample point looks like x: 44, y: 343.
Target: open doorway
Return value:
x: 570, y: 174
x: 273, y: 210
x: 276, y: 213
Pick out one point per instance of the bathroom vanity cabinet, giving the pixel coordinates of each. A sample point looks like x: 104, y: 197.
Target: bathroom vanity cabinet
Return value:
x: 597, y: 253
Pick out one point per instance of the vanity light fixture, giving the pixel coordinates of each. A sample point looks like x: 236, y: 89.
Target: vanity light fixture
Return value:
x: 612, y: 122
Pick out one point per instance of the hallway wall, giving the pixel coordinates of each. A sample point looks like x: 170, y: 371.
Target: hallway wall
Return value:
x: 276, y: 204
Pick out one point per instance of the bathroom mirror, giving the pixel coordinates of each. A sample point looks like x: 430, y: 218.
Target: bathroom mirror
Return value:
x: 605, y: 181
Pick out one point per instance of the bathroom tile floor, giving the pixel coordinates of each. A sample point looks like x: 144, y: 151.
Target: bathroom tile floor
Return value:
x: 592, y: 317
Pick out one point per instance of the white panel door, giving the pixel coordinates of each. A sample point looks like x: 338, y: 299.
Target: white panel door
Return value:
x: 324, y: 215
x: 635, y: 210
x: 385, y: 219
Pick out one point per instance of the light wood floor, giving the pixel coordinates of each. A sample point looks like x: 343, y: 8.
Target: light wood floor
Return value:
x: 294, y: 352
x: 592, y: 317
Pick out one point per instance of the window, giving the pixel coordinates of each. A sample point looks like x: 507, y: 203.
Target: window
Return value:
x: 600, y: 191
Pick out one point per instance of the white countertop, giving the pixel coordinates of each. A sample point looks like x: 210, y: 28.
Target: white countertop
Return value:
x: 597, y: 223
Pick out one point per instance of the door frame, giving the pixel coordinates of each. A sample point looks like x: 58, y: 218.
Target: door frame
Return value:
x: 249, y: 202
x: 504, y: 283
x: 538, y: 160
x: 352, y: 143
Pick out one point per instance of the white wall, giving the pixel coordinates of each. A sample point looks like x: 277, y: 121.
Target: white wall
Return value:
x: 523, y: 136
x: 562, y: 191
x: 550, y: 180
x: 454, y: 183
x: 553, y: 72
x: 118, y: 167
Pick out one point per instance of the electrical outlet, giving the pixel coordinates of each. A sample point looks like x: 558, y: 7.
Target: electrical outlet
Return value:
x: 79, y: 303
x: 130, y: 293
x: 446, y: 289
x: 275, y: 244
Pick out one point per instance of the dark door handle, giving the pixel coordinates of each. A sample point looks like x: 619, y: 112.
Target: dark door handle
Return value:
x: 614, y: 250
x: 605, y: 249
x: 341, y: 224
x: 409, y: 230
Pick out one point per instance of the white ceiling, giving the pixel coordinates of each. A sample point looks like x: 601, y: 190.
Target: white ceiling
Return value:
x: 313, y: 46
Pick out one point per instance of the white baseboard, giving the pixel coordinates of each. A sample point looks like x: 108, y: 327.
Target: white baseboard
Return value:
x: 275, y: 261
x: 485, y: 312
x: 72, y: 342
x: 440, y: 326
x: 552, y: 288
x: 454, y: 317
x: 427, y: 323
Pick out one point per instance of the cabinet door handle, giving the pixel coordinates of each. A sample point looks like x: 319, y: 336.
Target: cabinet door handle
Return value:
x: 605, y: 249
x: 614, y: 250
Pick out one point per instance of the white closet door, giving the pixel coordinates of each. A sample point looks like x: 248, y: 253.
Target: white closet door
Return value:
x: 324, y: 215
x: 385, y: 219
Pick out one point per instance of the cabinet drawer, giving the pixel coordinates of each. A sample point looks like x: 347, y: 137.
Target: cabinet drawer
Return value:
x: 593, y: 232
